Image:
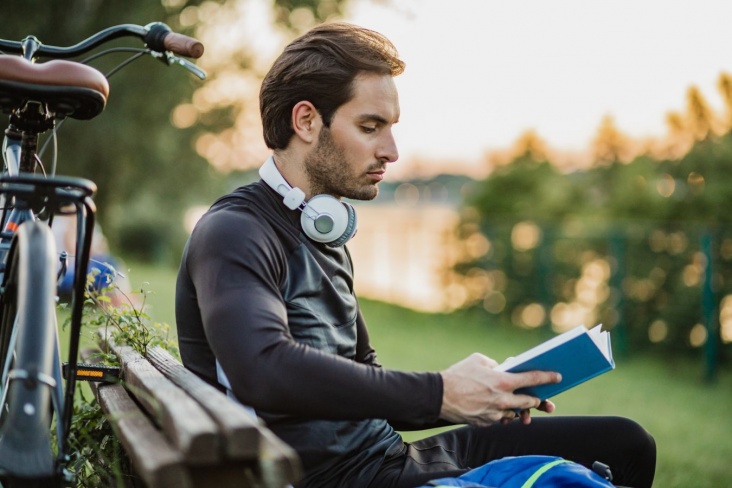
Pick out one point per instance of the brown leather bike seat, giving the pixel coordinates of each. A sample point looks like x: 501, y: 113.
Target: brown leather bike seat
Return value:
x: 67, y: 88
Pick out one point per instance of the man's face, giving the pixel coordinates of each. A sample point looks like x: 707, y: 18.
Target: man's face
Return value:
x: 351, y: 156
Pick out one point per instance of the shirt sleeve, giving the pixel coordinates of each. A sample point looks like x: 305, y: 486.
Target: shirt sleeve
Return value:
x: 237, y: 266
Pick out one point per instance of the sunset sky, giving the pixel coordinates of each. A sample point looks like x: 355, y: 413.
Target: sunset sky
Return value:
x: 482, y: 72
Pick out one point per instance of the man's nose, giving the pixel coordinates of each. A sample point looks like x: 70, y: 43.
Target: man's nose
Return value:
x: 388, y: 150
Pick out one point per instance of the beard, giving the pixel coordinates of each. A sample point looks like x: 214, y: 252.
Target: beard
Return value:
x: 329, y: 173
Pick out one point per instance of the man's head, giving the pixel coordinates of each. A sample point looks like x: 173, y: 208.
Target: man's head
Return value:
x: 320, y: 67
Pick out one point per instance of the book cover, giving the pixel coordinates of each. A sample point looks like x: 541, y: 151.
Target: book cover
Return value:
x: 578, y: 354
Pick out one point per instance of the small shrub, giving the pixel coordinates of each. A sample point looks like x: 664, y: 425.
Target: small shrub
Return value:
x: 97, y: 458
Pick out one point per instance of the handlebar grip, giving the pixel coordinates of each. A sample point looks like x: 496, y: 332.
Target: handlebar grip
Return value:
x: 183, y: 45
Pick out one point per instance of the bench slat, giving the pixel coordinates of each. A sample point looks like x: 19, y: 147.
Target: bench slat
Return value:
x: 279, y: 463
x: 154, y: 460
x: 184, y: 422
x: 239, y: 428
x: 277, y: 467
x: 214, y: 439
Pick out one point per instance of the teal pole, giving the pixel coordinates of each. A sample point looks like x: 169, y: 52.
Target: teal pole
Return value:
x: 709, y: 308
x: 617, y: 252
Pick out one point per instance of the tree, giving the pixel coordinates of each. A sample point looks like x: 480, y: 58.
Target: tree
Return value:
x: 699, y: 116
x: 724, y: 84
x: 147, y: 169
x: 531, y: 145
x: 610, y: 145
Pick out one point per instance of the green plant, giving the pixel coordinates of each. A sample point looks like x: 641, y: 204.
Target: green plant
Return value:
x: 96, y: 456
x: 122, y: 314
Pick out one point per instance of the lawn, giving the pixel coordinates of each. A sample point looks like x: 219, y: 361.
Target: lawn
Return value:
x: 687, y: 416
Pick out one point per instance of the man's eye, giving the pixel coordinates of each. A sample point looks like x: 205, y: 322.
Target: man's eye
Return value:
x: 368, y: 130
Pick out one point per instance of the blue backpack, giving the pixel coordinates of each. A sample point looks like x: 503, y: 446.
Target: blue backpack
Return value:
x: 526, y: 472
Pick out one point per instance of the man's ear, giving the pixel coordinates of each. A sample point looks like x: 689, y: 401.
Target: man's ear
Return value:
x: 306, y: 121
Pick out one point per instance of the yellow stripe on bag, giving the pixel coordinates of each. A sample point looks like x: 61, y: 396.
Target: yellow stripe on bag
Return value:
x: 530, y: 482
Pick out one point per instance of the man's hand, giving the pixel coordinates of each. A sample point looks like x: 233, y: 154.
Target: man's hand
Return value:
x: 475, y: 393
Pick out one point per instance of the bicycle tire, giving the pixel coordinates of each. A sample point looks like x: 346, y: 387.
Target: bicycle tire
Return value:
x: 27, y: 314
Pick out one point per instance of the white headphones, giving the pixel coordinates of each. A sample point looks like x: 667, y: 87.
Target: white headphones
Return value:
x: 324, y: 218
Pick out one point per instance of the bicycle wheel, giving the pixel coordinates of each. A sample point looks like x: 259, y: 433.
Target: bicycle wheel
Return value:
x: 27, y: 341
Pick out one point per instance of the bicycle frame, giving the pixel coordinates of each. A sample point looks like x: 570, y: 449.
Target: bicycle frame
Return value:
x: 31, y: 194
x: 29, y: 199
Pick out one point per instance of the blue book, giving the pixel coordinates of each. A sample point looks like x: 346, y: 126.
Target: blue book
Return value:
x: 578, y: 354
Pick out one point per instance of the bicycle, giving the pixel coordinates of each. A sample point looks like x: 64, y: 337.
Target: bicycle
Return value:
x: 39, y: 97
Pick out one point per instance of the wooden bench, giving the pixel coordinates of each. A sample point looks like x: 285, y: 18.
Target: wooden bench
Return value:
x: 179, y: 431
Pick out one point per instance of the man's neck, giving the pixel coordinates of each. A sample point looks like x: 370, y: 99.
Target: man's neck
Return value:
x: 291, y: 167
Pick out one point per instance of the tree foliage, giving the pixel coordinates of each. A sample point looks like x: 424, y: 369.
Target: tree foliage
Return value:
x: 645, y: 246
x: 147, y: 170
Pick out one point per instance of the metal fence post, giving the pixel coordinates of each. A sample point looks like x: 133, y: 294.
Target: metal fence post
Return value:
x: 617, y: 275
x: 710, y: 311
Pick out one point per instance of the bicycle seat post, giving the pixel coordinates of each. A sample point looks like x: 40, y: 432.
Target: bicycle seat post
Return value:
x: 26, y: 127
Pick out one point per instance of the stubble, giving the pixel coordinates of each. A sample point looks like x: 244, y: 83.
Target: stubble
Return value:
x: 329, y: 172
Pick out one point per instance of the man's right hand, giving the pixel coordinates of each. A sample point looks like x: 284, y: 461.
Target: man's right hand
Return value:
x: 475, y: 393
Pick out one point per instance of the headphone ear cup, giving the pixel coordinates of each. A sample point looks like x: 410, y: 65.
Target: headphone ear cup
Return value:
x: 334, y: 224
x: 351, y: 227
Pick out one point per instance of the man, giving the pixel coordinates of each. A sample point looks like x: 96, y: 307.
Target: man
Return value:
x: 265, y: 305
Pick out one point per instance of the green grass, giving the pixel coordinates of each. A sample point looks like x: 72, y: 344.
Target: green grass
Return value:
x: 688, y: 418
x: 159, y: 285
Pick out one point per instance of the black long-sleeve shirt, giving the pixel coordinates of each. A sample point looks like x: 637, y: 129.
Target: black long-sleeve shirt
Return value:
x: 279, y: 314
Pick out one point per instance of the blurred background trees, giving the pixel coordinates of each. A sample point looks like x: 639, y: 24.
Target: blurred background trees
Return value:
x: 156, y: 149
x: 638, y: 237
x: 641, y: 243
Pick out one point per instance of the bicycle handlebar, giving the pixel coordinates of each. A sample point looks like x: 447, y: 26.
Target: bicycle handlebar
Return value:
x: 172, y: 41
x: 157, y: 36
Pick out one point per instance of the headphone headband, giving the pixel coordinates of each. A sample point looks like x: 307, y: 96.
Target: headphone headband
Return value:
x: 293, y: 197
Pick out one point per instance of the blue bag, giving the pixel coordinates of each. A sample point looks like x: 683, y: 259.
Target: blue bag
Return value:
x: 526, y: 472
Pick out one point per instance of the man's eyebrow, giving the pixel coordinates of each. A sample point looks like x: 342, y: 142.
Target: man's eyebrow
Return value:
x: 373, y: 118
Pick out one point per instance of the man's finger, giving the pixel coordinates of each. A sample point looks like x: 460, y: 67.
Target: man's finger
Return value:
x: 546, y: 406
x: 525, y: 417
x: 508, y: 415
x: 534, y: 378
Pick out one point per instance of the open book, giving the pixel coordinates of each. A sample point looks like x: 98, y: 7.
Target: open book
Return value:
x: 578, y: 354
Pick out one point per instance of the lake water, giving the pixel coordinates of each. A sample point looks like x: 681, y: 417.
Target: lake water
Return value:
x: 402, y: 253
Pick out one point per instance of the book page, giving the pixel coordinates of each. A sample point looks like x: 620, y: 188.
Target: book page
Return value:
x: 601, y: 340
x: 542, y: 348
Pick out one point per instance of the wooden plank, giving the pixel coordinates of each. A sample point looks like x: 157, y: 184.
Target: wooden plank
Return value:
x: 152, y: 457
x: 239, y: 428
x: 186, y: 425
x: 278, y: 462
x: 253, y: 456
x: 277, y: 467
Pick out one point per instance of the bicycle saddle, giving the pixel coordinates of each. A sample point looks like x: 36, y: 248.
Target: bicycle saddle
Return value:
x: 69, y: 89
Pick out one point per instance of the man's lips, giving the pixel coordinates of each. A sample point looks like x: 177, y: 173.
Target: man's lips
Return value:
x: 376, y: 175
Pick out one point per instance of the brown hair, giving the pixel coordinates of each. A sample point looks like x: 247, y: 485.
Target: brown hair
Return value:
x: 320, y: 67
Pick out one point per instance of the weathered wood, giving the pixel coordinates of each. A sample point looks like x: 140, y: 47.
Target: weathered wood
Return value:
x: 241, y: 451
x: 278, y: 466
x: 240, y: 429
x: 185, y: 423
x: 279, y: 463
x: 152, y: 457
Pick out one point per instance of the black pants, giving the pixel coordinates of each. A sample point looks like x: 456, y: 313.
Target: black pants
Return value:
x: 620, y: 443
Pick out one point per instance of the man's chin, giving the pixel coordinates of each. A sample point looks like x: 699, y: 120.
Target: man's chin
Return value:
x: 366, y: 193
x: 374, y: 193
